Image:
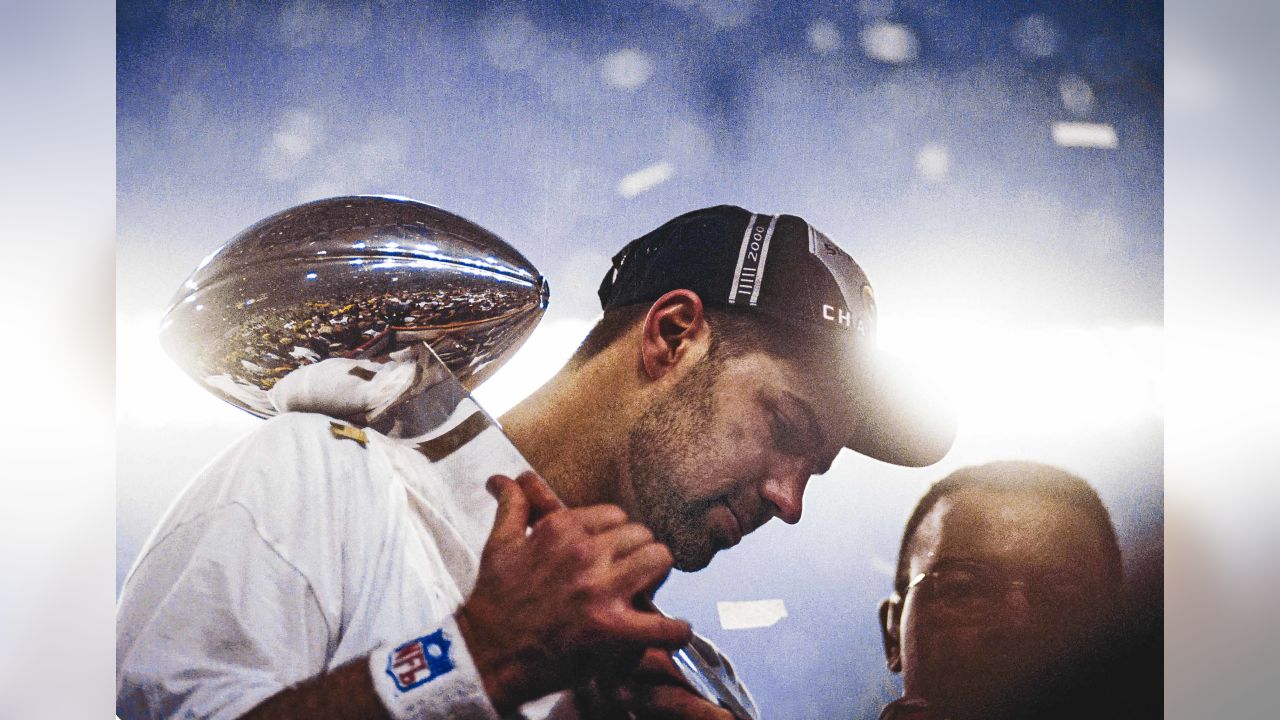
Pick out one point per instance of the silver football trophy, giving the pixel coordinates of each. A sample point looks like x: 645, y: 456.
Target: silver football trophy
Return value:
x: 352, y: 277
x: 388, y: 280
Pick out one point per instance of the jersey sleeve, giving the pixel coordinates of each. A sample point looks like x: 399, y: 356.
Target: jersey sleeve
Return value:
x: 238, y: 593
x: 216, y: 621
x: 247, y: 585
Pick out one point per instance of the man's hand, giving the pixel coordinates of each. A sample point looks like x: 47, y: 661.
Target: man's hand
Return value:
x: 551, y: 607
x: 653, y: 691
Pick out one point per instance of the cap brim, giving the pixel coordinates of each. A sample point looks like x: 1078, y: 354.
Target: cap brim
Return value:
x: 904, y: 418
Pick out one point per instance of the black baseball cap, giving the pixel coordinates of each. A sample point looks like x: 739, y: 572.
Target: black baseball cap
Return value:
x: 783, y: 267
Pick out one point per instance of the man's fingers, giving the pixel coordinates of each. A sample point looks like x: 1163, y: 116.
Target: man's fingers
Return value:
x: 670, y: 702
x: 644, y: 568
x: 659, y: 666
x: 542, y: 498
x: 654, y: 630
x: 596, y: 519
x: 625, y: 538
x: 512, y: 518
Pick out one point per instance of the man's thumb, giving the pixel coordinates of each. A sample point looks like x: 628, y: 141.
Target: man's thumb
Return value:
x: 512, y: 518
x: 541, y: 498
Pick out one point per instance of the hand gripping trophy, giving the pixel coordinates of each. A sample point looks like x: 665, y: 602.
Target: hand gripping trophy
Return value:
x: 382, y: 313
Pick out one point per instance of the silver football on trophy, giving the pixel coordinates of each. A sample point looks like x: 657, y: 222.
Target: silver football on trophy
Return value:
x: 355, y: 277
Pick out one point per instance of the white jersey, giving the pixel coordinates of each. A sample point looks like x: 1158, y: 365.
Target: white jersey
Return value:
x: 295, y: 552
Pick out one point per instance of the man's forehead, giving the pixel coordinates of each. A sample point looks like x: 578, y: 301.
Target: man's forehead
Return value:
x: 823, y: 392
x: 1006, y: 527
x: 812, y: 406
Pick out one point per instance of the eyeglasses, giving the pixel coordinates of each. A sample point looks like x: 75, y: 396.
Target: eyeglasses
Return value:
x: 974, y: 592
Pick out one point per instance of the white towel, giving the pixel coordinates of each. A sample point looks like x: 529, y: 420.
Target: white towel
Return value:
x: 345, y: 389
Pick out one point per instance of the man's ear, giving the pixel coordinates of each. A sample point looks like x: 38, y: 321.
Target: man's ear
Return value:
x: 673, y: 328
x: 891, y: 631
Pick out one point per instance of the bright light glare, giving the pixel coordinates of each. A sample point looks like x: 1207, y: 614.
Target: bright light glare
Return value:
x: 933, y: 162
x: 1005, y: 381
x: 626, y: 68
x: 645, y: 179
x: 1008, y: 381
x: 1087, y: 135
x: 1076, y: 94
x: 889, y: 42
x: 545, y: 352
x: 824, y: 36
x: 151, y: 390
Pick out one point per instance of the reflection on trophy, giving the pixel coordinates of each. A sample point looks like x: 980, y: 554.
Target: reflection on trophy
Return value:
x: 351, y: 277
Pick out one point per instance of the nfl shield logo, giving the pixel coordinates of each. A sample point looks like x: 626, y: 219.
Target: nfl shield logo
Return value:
x: 419, y: 661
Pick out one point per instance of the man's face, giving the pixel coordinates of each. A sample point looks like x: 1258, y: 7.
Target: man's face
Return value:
x: 1013, y: 583
x: 726, y: 448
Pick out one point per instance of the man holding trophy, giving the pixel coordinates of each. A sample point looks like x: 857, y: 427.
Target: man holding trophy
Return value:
x: 380, y: 549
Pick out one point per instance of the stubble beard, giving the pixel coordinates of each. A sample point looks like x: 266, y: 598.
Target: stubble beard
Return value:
x: 660, y: 450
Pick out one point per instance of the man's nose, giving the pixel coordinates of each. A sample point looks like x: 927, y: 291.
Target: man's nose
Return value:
x: 784, y: 489
x: 1017, y: 609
